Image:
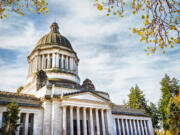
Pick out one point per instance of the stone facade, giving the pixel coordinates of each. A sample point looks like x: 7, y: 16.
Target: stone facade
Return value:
x: 53, y: 102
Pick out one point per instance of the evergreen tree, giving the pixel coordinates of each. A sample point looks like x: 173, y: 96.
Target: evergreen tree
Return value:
x: 137, y: 99
x: 154, y: 113
x: 11, y: 119
x: 169, y: 89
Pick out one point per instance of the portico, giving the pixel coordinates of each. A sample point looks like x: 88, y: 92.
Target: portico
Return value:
x: 79, y: 120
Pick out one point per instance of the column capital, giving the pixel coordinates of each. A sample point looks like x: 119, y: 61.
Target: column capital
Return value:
x: 77, y: 107
x: 71, y: 107
x: 84, y: 108
x: 63, y: 106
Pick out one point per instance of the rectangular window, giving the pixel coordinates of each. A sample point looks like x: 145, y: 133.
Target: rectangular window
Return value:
x: 30, y: 124
x: 22, y: 124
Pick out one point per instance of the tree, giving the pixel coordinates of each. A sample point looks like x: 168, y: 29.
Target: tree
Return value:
x: 169, y: 88
x: 174, y: 117
x: 154, y: 113
x: 137, y: 99
x: 161, y: 21
x: 19, y: 6
x: 11, y: 119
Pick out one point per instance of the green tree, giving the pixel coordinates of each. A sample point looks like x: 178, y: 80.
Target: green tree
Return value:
x: 174, y: 117
x: 19, y: 6
x: 169, y: 88
x: 11, y: 119
x: 137, y: 99
x: 154, y: 113
x: 160, y: 20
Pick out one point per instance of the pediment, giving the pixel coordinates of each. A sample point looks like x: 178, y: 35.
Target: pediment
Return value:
x: 88, y: 96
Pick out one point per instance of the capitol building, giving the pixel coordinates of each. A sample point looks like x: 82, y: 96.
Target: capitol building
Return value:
x: 54, y: 102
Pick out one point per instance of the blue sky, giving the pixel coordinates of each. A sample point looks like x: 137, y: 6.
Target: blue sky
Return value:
x: 110, y: 55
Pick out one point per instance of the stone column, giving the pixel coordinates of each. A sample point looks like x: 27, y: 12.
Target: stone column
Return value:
x: 139, y: 131
x: 150, y: 127
x: 38, y: 62
x: 78, y: 121
x: 57, y: 60
x: 142, y: 128
x: 91, y: 121
x: 71, y: 63
x: 97, y: 122
x: 127, y: 126
x: 67, y: 63
x: 123, y: 127
x: 32, y: 65
x: 35, y: 124
x: 131, y: 128
x: 71, y: 121
x: 48, y: 61
x: 43, y: 61
x: 145, y: 126
x: 108, y: 120
x: 53, y: 60
x: 62, y: 61
x: 84, y: 121
x: 103, y: 125
x: 1, y: 115
x: 26, y: 123
x: 118, y: 127
x: 135, y: 129
x: 64, y: 120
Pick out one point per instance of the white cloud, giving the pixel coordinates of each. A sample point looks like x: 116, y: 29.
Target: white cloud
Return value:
x: 110, y: 57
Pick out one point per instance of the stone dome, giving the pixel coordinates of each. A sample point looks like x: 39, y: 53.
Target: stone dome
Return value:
x: 54, y: 38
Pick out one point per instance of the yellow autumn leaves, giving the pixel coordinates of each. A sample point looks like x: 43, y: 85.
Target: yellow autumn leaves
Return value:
x: 159, y: 22
x: 37, y: 6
